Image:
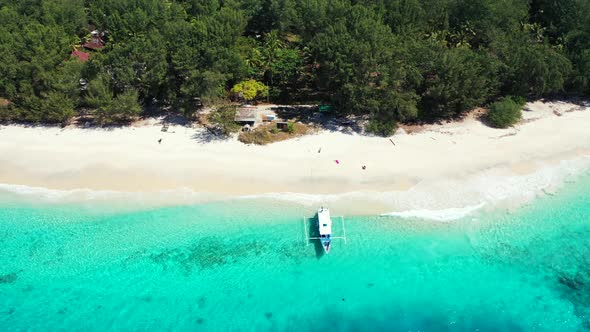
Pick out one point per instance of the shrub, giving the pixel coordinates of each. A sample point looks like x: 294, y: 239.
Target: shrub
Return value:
x: 380, y: 127
x: 269, y: 133
x: 258, y: 136
x: 291, y: 127
x: 521, y: 101
x: 224, y: 117
x: 504, y: 113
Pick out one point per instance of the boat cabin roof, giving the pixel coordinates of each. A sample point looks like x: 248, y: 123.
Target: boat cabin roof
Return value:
x: 325, y: 223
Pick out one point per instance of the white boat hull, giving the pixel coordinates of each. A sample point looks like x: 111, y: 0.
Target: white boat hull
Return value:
x: 325, y: 228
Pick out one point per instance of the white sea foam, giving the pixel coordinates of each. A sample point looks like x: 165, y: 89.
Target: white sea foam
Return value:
x: 448, y: 199
x: 165, y: 197
x: 442, y: 199
x: 438, y: 215
x: 46, y: 193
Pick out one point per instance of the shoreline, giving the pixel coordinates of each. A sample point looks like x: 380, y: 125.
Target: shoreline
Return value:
x: 441, y: 167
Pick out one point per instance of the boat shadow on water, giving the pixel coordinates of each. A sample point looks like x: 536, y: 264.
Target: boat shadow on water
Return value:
x: 313, y: 231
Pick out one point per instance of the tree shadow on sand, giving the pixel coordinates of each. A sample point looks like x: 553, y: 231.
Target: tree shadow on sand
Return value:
x: 310, y: 115
x: 207, y: 135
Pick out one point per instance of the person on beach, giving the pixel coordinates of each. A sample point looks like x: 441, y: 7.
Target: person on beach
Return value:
x: 364, y: 167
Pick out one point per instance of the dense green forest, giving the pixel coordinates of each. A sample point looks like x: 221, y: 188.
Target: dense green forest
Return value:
x: 393, y: 60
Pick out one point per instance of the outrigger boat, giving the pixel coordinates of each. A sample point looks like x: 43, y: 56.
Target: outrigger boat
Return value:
x: 324, y: 224
x: 325, y: 228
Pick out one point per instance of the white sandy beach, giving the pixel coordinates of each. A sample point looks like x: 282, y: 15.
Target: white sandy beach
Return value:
x: 462, y: 164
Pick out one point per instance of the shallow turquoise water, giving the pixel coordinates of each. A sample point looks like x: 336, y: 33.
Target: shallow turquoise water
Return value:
x: 243, y: 265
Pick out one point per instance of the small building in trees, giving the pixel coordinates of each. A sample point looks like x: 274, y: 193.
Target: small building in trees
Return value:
x: 247, y: 116
x: 96, y: 41
x: 254, y: 116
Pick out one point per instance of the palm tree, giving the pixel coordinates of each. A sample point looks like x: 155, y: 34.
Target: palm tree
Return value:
x: 272, y: 45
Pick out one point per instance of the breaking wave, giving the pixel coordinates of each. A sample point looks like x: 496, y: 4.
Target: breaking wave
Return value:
x: 441, y: 199
x: 438, y: 215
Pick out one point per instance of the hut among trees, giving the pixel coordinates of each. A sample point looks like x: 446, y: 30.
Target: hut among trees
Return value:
x: 96, y: 41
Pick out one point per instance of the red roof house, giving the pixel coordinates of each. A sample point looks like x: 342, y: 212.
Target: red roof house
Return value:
x: 82, y: 56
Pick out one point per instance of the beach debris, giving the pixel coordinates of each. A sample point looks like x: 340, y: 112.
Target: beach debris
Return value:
x: 507, y: 135
x: 160, y: 141
x: 320, y: 150
x: 337, y: 161
x: 364, y: 167
x: 392, y: 142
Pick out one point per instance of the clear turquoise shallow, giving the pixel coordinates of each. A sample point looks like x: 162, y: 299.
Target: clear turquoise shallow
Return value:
x: 244, y: 265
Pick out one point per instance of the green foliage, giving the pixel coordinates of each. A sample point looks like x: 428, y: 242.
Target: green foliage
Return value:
x: 392, y: 60
x: 519, y: 100
x: 250, y: 89
x: 382, y: 128
x: 277, y: 63
x: 269, y: 133
x: 460, y: 80
x: 114, y: 110
x: 580, y: 78
x: 98, y: 93
x: 531, y: 69
x: 504, y: 113
x: 57, y: 108
x: 224, y: 118
x: 291, y: 127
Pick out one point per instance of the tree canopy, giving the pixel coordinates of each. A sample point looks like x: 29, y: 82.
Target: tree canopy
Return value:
x: 393, y: 60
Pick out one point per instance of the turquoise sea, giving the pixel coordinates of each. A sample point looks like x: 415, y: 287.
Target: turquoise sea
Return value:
x: 244, y: 265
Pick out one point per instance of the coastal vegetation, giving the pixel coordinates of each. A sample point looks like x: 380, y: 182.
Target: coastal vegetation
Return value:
x: 270, y: 133
x: 504, y: 113
x: 223, y: 119
x: 392, y: 61
x: 250, y: 89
